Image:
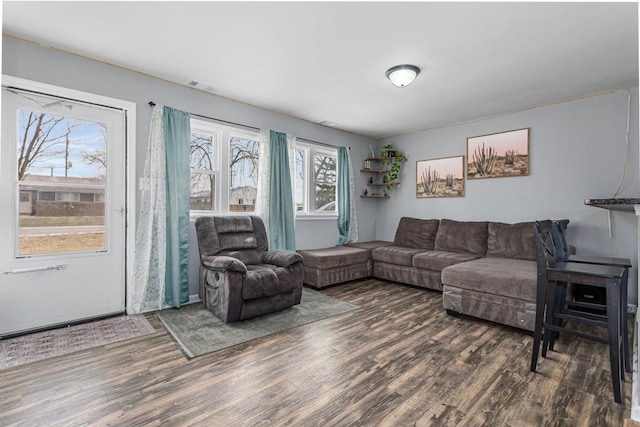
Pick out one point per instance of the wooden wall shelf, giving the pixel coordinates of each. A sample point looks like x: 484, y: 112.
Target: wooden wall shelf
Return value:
x: 375, y: 175
x: 374, y: 170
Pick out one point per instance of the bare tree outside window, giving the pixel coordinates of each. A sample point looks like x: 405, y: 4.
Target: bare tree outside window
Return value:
x: 243, y: 174
x: 97, y: 155
x: 59, y: 146
x: 61, y: 177
x: 300, y: 182
x: 325, y: 173
x: 41, y: 137
x: 202, y: 180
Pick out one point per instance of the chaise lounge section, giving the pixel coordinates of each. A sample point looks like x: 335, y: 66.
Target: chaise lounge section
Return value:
x: 500, y: 287
x: 484, y: 269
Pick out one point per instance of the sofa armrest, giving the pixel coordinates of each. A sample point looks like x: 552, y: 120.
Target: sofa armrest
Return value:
x: 281, y: 258
x: 224, y: 263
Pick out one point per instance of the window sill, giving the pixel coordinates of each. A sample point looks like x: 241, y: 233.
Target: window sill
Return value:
x: 316, y: 217
x: 194, y: 216
x: 298, y: 217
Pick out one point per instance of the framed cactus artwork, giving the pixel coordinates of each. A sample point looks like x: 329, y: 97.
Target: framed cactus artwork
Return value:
x: 440, y: 177
x: 498, y: 155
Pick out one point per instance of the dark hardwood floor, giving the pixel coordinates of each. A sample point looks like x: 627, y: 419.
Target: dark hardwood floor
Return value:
x: 397, y: 361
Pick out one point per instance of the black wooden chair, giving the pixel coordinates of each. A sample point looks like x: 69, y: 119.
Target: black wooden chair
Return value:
x: 554, y: 315
x: 563, y: 254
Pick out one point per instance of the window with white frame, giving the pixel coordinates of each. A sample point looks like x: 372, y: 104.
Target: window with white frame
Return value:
x: 204, y: 168
x: 243, y: 173
x: 315, y: 175
x: 325, y: 173
x: 224, y: 168
x: 224, y: 172
x: 300, y: 195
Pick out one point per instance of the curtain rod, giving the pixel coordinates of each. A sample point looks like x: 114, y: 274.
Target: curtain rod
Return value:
x: 152, y: 104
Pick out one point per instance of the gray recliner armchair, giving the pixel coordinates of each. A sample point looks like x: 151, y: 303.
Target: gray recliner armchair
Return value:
x: 240, y: 277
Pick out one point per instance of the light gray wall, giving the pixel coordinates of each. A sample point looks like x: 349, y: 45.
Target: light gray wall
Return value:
x: 37, y: 63
x: 577, y: 151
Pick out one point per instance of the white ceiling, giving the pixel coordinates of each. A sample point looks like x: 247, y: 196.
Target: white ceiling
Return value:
x: 326, y: 61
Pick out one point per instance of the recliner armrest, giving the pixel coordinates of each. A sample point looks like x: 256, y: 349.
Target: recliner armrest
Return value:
x: 224, y: 263
x: 281, y: 258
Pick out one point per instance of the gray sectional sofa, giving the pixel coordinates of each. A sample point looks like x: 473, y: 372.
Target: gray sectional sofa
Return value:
x: 484, y: 269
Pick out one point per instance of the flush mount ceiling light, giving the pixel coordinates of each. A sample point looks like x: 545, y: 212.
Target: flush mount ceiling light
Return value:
x: 402, y: 75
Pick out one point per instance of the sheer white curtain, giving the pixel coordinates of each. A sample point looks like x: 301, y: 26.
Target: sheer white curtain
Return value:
x: 264, y: 176
x: 147, y: 285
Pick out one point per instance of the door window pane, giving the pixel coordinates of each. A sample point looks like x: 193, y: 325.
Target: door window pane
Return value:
x: 59, y: 158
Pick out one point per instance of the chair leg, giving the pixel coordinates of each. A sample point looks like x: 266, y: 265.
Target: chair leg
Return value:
x: 560, y: 299
x: 549, y: 316
x: 613, y: 327
x: 625, y: 323
x: 537, y: 331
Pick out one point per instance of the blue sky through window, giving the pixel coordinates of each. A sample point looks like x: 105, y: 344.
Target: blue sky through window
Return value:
x: 54, y: 145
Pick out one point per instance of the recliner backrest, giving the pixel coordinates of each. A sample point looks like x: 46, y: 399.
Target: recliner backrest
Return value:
x: 241, y: 237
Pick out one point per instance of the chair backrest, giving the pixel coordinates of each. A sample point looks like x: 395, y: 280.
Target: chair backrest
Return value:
x: 242, y: 237
x: 559, y: 239
x: 545, y: 250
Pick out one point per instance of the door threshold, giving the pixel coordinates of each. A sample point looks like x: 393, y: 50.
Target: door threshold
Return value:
x: 61, y: 325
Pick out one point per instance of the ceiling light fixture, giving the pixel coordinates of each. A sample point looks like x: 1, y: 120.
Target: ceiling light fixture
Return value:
x: 402, y: 75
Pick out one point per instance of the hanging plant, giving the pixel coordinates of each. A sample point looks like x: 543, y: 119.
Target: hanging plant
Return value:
x: 394, y: 159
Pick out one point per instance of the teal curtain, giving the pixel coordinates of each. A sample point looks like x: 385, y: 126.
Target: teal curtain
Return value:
x: 344, y: 196
x: 177, y: 135
x: 281, y: 215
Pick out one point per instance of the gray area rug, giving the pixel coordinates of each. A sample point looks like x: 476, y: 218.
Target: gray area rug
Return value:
x: 197, y: 331
x: 57, y: 342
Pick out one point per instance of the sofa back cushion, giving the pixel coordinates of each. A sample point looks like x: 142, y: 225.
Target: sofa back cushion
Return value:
x: 511, y: 241
x: 416, y: 233
x: 459, y: 236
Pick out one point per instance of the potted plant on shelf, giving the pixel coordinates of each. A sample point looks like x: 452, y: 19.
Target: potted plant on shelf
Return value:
x: 394, y: 159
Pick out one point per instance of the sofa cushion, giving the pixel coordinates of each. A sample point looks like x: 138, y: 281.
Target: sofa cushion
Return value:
x: 514, y: 278
x: 336, y: 256
x: 511, y: 240
x: 398, y: 255
x: 369, y: 245
x: 458, y: 236
x: 437, y: 260
x: 416, y: 233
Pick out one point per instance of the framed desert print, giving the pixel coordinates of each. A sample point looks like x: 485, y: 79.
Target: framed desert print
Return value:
x: 440, y: 177
x: 498, y: 155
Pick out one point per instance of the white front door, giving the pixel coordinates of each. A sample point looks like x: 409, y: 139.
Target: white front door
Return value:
x: 62, y: 221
